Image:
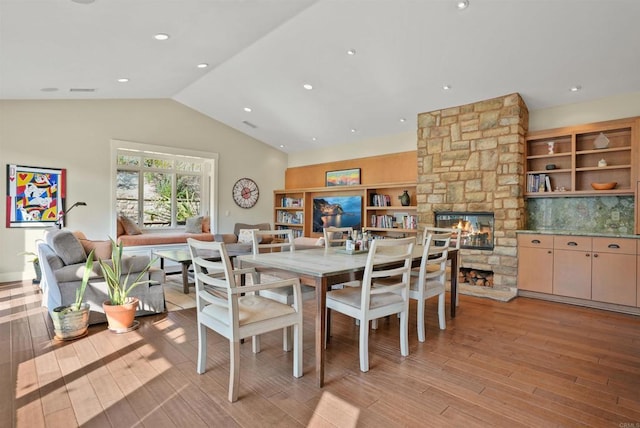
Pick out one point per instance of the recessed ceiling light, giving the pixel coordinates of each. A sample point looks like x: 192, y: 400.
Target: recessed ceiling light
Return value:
x: 247, y: 109
x: 314, y: 139
x: 161, y: 36
x: 281, y: 146
x: 49, y: 89
x: 203, y: 65
x: 123, y: 80
x: 463, y: 4
x: 446, y: 87
x: 402, y: 119
x: 354, y: 130
x: 307, y: 86
x: 351, y: 52
x: 575, y: 88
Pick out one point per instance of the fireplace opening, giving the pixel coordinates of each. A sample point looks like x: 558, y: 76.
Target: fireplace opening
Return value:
x: 476, y: 227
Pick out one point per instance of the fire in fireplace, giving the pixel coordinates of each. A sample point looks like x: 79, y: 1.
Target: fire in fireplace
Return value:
x: 476, y: 227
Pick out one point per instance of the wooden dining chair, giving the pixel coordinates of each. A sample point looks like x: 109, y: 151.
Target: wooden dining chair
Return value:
x: 429, y: 281
x: 336, y: 236
x: 270, y: 241
x: 239, y: 312
x: 388, y: 258
x: 456, y: 238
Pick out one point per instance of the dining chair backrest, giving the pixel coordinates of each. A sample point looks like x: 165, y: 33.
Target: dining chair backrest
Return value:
x: 336, y: 236
x: 387, y: 259
x: 433, y: 265
x: 282, y: 240
x: 455, y: 233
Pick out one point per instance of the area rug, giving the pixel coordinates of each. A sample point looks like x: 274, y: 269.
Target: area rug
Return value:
x: 174, y: 297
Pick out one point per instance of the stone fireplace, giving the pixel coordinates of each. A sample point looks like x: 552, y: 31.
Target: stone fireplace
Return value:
x: 471, y: 159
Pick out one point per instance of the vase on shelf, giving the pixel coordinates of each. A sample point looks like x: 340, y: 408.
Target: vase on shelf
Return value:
x: 405, y: 199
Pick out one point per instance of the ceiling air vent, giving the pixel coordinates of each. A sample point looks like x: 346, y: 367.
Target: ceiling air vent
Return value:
x: 82, y: 90
x: 249, y: 124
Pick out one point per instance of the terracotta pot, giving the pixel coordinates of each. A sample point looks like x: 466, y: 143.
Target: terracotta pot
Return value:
x: 121, y: 317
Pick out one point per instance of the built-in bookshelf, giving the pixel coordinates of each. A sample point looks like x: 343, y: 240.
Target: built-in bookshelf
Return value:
x: 566, y: 161
x: 382, y: 211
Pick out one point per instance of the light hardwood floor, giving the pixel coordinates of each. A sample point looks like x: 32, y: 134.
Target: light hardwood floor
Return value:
x: 523, y: 363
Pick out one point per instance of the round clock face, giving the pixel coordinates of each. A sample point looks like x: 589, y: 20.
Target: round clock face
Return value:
x: 245, y: 193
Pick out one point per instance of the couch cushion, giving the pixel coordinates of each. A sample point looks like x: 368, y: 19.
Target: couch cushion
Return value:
x: 260, y: 226
x: 68, y: 247
x: 193, y: 225
x: 129, y: 226
x: 162, y: 238
x: 102, y: 249
x: 245, y: 236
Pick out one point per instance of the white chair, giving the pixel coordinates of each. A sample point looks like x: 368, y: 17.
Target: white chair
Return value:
x: 222, y: 308
x: 281, y: 240
x: 388, y: 258
x: 429, y: 280
x: 336, y: 236
x: 456, y: 238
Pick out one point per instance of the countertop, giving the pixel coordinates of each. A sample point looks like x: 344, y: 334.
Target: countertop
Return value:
x: 579, y: 233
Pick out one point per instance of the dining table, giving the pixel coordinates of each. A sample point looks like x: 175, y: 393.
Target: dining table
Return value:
x: 323, y: 268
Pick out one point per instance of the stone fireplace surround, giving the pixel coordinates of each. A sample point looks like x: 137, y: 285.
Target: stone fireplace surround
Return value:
x: 471, y: 158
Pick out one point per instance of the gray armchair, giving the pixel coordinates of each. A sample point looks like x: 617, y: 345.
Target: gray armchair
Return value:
x: 62, y: 259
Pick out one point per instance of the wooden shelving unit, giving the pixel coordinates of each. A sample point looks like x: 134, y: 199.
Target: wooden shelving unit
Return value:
x: 293, y: 208
x: 576, y: 158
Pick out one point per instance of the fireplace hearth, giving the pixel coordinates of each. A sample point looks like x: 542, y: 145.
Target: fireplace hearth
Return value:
x: 476, y: 227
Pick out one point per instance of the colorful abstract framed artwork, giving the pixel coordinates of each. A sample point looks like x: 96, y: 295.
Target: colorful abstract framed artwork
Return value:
x: 345, y: 177
x: 35, y: 196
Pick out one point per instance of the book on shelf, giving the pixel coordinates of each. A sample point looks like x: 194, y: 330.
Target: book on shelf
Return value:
x: 538, y: 183
x: 378, y: 200
x: 288, y: 202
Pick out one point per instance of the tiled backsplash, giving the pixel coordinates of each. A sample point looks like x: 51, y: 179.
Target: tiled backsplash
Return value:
x: 597, y: 214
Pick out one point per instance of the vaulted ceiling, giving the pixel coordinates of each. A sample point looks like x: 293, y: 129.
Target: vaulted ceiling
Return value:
x: 260, y: 53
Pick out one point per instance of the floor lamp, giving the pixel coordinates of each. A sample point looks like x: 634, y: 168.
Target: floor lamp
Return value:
x: 60, y: 221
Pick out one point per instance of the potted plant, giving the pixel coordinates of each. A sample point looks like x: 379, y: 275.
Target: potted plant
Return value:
x: 36, y: 265
x: 120, y: 309
x: 72, y: 321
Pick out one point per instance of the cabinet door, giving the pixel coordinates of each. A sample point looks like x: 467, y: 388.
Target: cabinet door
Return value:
x: 614, y: 278
x: 535, y: 263
x: 572, y: 273
x: 535, y: 269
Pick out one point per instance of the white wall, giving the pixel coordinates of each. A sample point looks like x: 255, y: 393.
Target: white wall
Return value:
x: 76, y: 135
x: 618, y: 107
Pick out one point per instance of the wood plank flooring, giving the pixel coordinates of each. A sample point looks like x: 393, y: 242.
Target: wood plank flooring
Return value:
x: 523, y: 363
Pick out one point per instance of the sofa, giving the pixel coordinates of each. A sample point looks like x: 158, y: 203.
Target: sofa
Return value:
x: 62, y: 256
x: 130, y: 235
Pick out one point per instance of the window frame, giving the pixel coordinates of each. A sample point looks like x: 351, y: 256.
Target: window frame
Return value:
x: 209, y: 179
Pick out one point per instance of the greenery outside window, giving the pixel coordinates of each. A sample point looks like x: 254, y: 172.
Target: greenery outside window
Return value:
x: 160, y: 190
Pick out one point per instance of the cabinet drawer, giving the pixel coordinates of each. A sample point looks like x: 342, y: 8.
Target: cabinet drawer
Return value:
x: 614, y: 245
x: 535, y: 241
x: 575, y: 243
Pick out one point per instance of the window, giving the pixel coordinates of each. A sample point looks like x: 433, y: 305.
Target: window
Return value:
x: 161, y: 190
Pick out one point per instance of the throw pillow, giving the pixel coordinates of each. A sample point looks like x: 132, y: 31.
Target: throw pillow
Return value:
x: 206, y: 224
x: 129, y: 226
x: 244, y: 236
x: 194, y: 225
x: 102, y: 249
x: 68, y: 247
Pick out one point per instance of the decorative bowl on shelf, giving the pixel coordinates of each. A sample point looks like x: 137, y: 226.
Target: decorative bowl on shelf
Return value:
x: 604, y: 186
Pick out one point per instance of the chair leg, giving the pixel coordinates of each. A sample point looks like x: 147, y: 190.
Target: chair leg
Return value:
x: 255, y: 344
x: 234, y: 369
x: 441, y: 317
x: 364, y: 346
x: 404, y: 332
x: 202, y: 349
x: 420, y: 316
x: 297, y: 350
x: 287, y: 339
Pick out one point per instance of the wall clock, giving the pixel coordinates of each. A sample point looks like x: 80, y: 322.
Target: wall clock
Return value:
x: 245, y: 193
